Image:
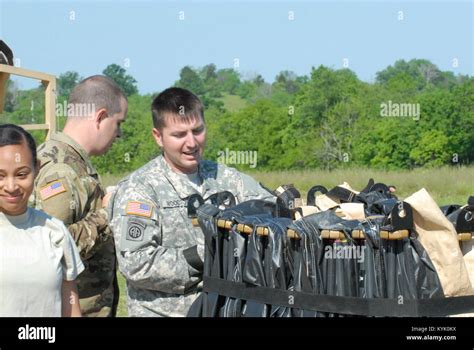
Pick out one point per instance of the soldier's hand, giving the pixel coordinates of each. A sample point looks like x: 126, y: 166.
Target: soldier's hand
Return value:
x: 110, y: 190
x: 105, y: 200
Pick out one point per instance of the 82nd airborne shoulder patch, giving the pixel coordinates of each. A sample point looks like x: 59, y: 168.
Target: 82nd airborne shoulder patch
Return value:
x: 135, y: 231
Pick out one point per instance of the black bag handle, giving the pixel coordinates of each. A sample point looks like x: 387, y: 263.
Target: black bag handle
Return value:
x: 311, y: 197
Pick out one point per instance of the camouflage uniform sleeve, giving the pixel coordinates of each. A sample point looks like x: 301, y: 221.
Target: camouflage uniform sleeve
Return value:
x: 91, y: 232
x: 61, y: 193
x: 142, y: 259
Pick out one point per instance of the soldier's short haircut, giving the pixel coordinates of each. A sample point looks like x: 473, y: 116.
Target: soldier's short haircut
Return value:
x: 177, y: 103
x: 98, y: 91
x: 11, y: 134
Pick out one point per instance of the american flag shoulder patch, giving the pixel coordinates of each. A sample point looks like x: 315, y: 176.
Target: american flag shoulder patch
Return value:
x: 139, y: 208
x: 52, y: 189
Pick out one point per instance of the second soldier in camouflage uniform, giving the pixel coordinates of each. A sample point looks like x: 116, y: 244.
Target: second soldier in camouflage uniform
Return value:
x: 69, y: 188
x: 159, y: 251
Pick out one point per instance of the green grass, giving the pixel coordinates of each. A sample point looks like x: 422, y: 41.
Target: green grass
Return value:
x: 122, y: 306
x: 111, y: 180
x: 447, y: 185
x: 233, y: 103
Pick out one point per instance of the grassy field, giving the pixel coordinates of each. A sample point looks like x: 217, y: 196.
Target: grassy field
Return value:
x: 446, y: 186
x: 122, y: 306
x: 233, y: 103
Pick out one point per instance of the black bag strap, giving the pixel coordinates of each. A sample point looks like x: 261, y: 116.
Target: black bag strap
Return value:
x: 311, y: 196
x: 342, y: 194
x: 369, y: 186
x: 341, y: 305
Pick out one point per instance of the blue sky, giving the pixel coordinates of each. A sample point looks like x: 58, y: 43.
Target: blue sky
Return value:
x: 153, y: 41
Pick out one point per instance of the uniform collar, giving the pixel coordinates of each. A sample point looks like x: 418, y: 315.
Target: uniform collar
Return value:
x: 182, y: 187
x: 62, y: 137
x: 208, y: 172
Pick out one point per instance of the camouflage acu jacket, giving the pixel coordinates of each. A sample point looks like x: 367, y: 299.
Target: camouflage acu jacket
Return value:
x: 69, y: 188
x: 156, y: 243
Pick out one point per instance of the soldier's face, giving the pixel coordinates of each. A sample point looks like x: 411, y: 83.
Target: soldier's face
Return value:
x: 182, y: 143
x: 17, y: 176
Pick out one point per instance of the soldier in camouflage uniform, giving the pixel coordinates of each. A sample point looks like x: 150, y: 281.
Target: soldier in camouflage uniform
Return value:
x: 159, y: 251
x: 69, y: 188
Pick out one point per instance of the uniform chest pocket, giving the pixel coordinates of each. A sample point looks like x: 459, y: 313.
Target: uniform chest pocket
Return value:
x: 177, y: 229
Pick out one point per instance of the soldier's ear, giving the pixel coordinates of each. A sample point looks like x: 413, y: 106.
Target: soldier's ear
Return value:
x: 100, y: 115
x: 157, y: 135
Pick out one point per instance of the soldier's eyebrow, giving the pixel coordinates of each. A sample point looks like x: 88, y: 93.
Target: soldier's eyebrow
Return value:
x: 23, y: 167
x: 179, y: 131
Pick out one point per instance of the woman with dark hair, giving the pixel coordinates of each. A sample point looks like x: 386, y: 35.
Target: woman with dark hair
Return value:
x: 39, y: 261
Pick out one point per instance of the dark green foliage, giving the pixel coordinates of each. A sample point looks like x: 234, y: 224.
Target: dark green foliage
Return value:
x: 137, y: 146
x: 66, y: 82
x: 329, y: 119
x: 119, y: 75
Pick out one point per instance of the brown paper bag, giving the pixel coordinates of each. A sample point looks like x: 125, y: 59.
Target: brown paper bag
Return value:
x: 307, y: 210
x: 467, y: 248
x: 324, y: 202
x: 439, y: 238
x: 351, y: 211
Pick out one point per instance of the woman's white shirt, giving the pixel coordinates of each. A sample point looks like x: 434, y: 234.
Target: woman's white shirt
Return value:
x: 36, y: 253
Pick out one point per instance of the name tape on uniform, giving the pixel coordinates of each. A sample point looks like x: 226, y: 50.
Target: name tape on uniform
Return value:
x: 52, y: 189
x: 139, y: 208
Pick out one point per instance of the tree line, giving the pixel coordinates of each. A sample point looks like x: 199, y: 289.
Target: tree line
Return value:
x: 412, y: 115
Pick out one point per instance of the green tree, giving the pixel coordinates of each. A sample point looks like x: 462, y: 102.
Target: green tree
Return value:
x: 118, y: 74
x: 462, y: 141
x: 208, y: 75
x: 432, y: 149
x: 288, y: 81
x: 247, y: 90
x: 327, y: 119
x: 189, y: 79
x: 66, y: 82
x: 11, y: 96
x: 258, y: 80
x: 257, y: 127
x: 136, y: 147
x: 229, y: 80
x: 423, y: 72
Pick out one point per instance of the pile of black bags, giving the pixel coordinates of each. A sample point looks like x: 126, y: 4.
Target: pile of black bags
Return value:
x: 259, y: 262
